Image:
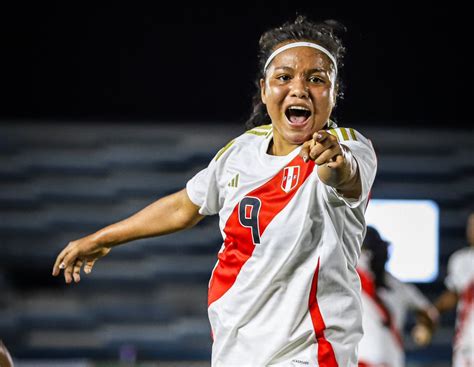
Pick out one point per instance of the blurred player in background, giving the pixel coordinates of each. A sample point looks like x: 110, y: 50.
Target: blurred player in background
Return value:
x: 460, y: 292
x: 386, y: 302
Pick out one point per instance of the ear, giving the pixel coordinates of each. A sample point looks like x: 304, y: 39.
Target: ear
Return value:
x: 262, y: 91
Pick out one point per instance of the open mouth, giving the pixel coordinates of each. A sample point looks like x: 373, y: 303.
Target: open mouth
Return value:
x: 297, y: 115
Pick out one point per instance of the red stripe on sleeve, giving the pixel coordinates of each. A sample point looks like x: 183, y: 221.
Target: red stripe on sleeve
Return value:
x: 326, y: 356
x: 238, y: 243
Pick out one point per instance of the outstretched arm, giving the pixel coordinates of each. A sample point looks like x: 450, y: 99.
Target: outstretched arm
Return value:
x: 334, y: 169
x: 166, y: 215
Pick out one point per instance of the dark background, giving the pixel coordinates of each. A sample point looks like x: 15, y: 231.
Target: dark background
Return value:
x: 106, y: 106
x: 406, y: 62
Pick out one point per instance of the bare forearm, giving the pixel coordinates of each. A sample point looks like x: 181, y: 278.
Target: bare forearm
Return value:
x: 343, y: 175
x: 166, y: 215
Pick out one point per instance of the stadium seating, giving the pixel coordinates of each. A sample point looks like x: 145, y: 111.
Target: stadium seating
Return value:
x: 61, y: 181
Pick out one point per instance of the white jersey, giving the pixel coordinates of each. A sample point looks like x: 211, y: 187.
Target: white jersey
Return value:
x: 284, y: 291
x: 460, y: 279
x: 384, y: 315
x: 401, y: 298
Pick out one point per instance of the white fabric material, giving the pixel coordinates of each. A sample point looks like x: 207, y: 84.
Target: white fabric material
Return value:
x: 378, y: 345
x: 301, y: 44
x: 263, y: 319
x: 460, y: 279
x: 402, y: 298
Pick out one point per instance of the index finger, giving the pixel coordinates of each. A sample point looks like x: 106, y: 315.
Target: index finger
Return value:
x: 320, y: 135
x: 59, y: 264
x: 304, y: 153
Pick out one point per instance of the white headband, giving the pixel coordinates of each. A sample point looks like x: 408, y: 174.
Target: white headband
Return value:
x: 300, y: 44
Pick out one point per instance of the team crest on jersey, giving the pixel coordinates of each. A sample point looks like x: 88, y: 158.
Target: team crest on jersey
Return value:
x: 290, y: 178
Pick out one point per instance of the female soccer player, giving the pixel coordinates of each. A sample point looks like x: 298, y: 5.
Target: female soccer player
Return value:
x: 459, y: 294
x: 386, y: 302
x: 290, y: 194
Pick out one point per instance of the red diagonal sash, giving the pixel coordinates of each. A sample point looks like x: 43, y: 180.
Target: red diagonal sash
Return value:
x: 238, y: 243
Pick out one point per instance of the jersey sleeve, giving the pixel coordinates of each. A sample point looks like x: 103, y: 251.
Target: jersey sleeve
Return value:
x: 415, y: 299
x: 203, y: 188
x: 359, y: 148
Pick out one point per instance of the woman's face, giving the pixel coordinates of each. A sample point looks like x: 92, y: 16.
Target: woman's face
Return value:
x: 299, y: 93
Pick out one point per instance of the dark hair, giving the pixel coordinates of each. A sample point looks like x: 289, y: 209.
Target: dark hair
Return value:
x: 324, y: 33
x: 378, y: 249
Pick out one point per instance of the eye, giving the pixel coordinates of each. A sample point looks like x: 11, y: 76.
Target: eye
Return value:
x: 283, y: 77
x: 316, y: 79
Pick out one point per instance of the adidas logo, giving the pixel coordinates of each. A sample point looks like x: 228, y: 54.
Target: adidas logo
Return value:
x: 234, y: 182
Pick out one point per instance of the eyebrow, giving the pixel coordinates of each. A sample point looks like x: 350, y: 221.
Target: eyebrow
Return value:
x: 311, y: 71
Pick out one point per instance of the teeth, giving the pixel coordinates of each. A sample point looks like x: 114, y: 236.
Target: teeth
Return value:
x: 299, y: 108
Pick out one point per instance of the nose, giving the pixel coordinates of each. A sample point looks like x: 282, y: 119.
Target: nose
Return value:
x: 299, y: 88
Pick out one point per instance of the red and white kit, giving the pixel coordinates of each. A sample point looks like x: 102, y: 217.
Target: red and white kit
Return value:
x: 284, y: 291
x: 460, y: 279
x: 384, y: 317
